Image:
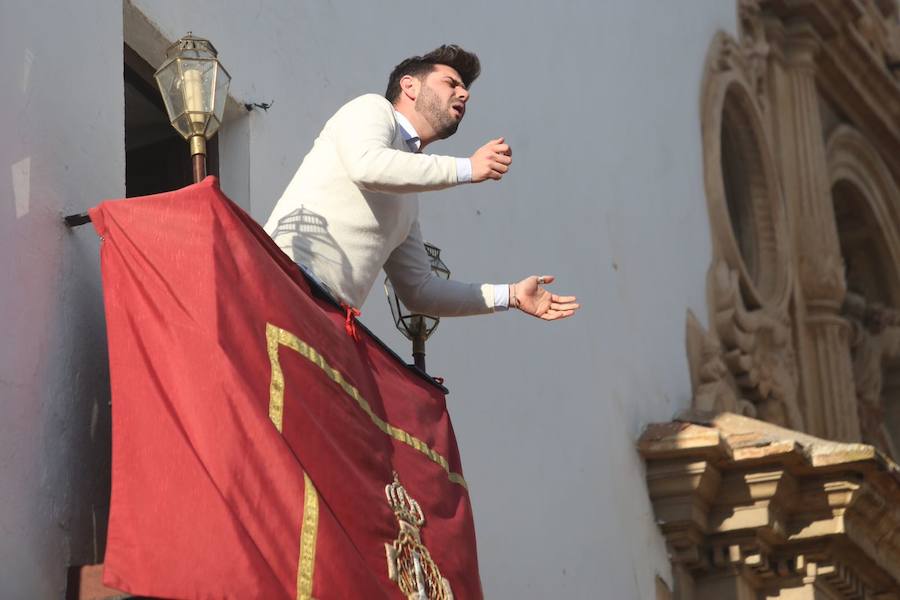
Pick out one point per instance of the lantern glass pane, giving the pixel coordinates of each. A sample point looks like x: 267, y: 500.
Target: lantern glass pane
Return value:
x: 212, y: 126
x: 412, y: 325
x: 183, y: 124
x: 437, y: 265
x: 169, y: 82
x: 223, y: 79
x: 191, y: 84
x: 393, y: 301
x: 389, y: 291
x: 430, y: 323
x: 440, y: 269
x: 200, y: 123
x: 198, y: 82
x: 208, y: 71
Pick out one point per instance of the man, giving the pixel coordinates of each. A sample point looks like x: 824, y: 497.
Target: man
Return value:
x: 351, y: 208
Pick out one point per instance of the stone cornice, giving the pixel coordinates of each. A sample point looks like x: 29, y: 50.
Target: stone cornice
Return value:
x: 731, y: 492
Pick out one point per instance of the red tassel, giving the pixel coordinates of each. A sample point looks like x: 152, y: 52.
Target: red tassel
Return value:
x: 350, y: 321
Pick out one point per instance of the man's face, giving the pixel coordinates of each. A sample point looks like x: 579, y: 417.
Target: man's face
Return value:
x: 442, y: 100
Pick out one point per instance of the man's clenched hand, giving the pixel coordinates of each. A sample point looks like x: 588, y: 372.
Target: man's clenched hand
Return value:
x: 491, y: 161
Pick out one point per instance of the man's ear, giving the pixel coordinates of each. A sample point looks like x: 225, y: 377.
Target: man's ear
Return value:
x: 409, y: 86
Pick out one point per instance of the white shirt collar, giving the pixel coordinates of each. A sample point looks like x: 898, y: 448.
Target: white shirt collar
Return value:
x: 410, y: 136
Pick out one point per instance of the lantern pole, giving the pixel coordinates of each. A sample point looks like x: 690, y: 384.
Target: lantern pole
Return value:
x: 418, y: 349
x: 198, y: 157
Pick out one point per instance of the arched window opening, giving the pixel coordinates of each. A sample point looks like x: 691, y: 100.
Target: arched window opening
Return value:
x: 865, y: 254
x: 874, y: 321
x: 748, y: 195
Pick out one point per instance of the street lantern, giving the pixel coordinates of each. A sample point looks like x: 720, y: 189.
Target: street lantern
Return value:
x: 416, y: 327
x: 194, y: 85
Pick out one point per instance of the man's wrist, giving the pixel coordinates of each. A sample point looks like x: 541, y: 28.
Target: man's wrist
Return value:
x: 513, y: 299
x: 463, y: 170
x: 501, y: 297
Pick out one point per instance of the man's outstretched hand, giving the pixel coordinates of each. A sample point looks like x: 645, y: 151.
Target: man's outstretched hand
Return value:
x: 530, y: 297
x: 491, y: 161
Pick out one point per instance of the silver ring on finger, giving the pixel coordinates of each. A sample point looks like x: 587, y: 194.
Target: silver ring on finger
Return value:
x: 541, y: 280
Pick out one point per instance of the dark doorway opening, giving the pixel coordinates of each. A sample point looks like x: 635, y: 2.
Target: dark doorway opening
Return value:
x: 156, y: 156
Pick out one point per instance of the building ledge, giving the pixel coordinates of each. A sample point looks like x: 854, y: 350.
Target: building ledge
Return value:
x: 755, y: 507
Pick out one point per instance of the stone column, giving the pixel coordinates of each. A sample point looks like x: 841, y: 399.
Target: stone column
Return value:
x: 826, y: 369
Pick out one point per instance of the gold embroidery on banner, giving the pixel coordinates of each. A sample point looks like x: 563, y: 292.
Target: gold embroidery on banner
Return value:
x: 276, y: 387
x: 309, y: 524
x: 409, y: 563
x: 308, y: 531
x: 276, y: 335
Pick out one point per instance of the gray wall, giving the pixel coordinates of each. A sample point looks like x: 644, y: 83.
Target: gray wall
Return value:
x: 61, y: 151
x: 600, y: 102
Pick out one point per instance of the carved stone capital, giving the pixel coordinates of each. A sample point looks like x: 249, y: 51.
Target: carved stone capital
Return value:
x: 822, y: 280
x: 802, y: 45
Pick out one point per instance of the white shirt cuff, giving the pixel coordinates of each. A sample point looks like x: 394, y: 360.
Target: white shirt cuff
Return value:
x: 463, y: 170
x: 501, y: 297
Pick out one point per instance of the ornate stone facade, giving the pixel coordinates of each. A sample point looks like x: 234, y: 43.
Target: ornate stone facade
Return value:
x: 801, y: 131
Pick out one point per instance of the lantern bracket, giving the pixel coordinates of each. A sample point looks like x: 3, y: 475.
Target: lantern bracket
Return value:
x: 77, y: 219
x: 265, y: 106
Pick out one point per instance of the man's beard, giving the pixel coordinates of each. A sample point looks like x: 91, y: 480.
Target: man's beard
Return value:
x: 429, y: 106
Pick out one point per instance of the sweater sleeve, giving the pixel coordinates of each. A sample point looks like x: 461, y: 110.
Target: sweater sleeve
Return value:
x: 423, y: 292
x: 363, y: 133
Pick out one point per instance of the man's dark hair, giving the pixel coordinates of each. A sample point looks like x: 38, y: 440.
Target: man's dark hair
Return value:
x: 466, y: 64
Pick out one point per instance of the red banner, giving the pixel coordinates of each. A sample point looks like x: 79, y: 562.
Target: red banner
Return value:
x: 258, y: 450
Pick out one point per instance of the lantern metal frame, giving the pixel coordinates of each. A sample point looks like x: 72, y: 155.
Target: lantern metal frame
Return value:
x: 414, y: 326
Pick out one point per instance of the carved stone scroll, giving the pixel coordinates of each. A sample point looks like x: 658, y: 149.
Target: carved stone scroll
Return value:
x: 747, y: 364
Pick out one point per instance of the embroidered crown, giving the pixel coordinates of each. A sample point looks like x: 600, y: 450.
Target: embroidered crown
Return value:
x: 404, y: 507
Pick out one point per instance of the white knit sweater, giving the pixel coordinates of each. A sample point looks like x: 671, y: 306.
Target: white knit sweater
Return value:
x: 352, y: 209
